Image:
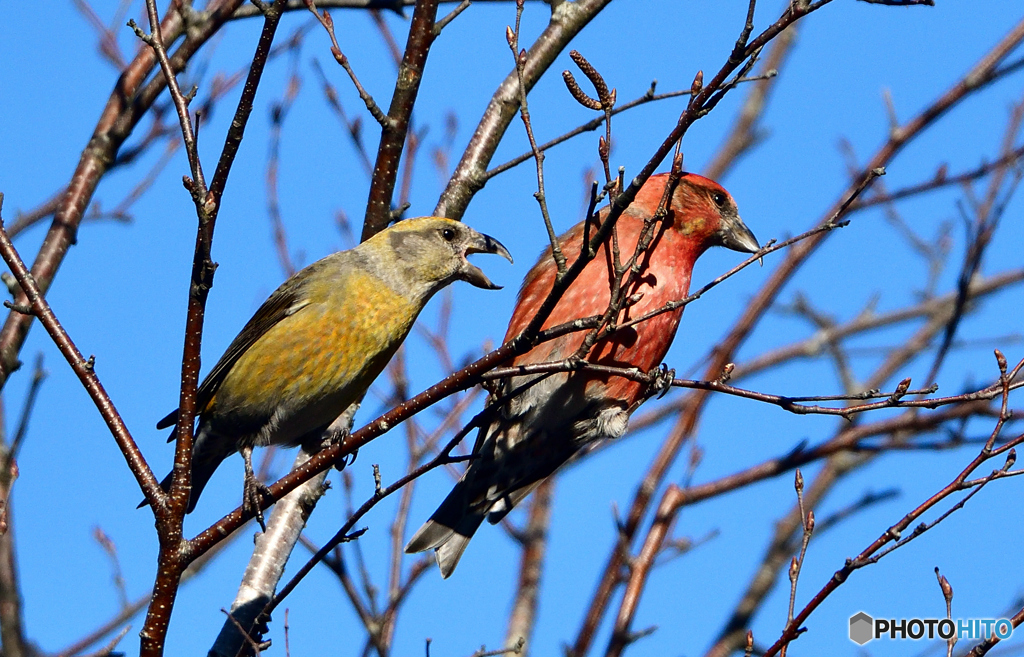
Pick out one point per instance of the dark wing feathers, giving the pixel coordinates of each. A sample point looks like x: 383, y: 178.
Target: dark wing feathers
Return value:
x: 282, y: 303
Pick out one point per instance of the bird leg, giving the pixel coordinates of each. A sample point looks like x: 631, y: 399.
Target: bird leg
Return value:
x: 254, y: 491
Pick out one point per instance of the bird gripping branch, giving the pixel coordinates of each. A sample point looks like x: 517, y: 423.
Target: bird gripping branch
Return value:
x: 319, y: 341
x: 542, y: 428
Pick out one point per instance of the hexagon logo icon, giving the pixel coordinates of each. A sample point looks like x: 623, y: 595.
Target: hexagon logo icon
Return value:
x: 861, y: 626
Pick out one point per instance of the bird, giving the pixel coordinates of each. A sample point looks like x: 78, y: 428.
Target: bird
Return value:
x: 538, y: 430
x: 318, y: 342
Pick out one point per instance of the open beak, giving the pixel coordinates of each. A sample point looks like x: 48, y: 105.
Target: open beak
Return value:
x: 736, y: 236
x: 480, y: 243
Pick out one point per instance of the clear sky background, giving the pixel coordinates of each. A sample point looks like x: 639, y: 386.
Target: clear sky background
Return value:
x: 121, y: 294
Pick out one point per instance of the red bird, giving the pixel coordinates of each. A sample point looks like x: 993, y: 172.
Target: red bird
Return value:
x: 544, y: 426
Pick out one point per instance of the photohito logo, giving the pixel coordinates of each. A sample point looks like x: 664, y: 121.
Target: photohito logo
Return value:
x: 864, y: 628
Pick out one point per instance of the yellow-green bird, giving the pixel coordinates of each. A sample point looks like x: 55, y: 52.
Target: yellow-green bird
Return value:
x: 319, y: 341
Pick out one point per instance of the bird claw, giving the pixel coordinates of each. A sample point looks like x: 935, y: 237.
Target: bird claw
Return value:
x: 345, y: 462
x: 492, y: 386
x: 253, y: 497
x: 334, y: 436
x: 661, y: 380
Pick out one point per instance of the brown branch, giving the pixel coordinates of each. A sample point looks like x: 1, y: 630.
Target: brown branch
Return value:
x: 169, y: 509
x: 10, y: 451
x: 117, y: 574
x: 894, y: 534
x: 381, y: 632
x: 79, y: 364
x: 675, y: 498
x: 335, y: 561
x: 393, y: 133
x: 24, y: 220
x: 869, y: 321
x: 158, y: 131
x: 413, y: 141
x: 848, y: 440
x: 108, y: 650
x: 796, y: 565
x: 894, y: 399
x: 148, y: 180
x: 128, y: 612
x: 390, y: 613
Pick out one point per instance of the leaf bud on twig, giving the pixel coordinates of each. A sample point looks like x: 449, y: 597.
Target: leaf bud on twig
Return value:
x: 901, y: 389
x: 1001, y: 360
x: 947, y: 588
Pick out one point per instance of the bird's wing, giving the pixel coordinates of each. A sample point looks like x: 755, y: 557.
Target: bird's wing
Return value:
x: 284, y: 302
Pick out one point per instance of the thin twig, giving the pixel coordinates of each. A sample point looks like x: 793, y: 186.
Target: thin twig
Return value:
x: 512, y: 36
x: 394, y: 133
x: 371, y: 105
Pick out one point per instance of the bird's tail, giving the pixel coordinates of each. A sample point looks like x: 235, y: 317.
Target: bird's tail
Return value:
x: 448, y: 531
x: 208, y: 451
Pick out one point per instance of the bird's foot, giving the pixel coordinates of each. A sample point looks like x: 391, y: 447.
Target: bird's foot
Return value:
x: 255, y: 492
x: 334, y: 436
x: 253, y: 497
x: 661, y: 381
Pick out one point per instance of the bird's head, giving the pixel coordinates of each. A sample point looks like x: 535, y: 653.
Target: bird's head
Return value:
x: 701, y: 210
x: 428, y: 253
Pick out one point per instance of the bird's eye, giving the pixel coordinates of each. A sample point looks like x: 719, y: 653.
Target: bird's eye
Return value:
x: 719, y: 199
x: 448, y: 234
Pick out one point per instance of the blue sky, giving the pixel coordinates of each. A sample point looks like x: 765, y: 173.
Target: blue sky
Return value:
x: 122, y: 290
